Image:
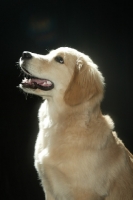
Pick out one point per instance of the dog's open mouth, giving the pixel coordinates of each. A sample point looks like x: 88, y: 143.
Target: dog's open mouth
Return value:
x: 35, y: 82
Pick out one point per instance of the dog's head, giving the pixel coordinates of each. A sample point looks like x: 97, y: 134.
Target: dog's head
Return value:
x: 64, y: 72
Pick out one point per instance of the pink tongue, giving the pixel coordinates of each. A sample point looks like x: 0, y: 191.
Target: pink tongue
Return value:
x: 41, y: 82
x: 38, y: 81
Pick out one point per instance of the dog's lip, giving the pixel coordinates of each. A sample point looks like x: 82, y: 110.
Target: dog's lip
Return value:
x: 35, y: 82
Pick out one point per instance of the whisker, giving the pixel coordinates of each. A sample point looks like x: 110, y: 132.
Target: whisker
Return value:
x: 26, y: 95
x: 17, y: 64
x: 21, y: 73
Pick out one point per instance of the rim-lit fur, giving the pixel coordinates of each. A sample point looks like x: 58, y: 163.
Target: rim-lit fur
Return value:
x: 77, y: 154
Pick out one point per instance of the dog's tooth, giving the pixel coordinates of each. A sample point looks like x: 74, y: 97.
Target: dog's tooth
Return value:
x: 48, y: 82
x: 24, y: 80
x: 45, y: 83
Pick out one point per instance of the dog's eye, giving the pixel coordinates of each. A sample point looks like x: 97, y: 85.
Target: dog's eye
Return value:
x: 59, y: 59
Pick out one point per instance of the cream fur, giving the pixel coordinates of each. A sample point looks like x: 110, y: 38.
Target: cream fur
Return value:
x: 77, y: 154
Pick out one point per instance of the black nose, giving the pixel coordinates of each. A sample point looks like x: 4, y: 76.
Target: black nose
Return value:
x: 26, y: 55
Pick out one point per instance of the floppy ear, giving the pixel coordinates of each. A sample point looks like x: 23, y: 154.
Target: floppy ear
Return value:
x: 86, y: 83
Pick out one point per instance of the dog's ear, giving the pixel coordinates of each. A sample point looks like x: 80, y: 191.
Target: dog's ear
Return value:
x: 86, y: 83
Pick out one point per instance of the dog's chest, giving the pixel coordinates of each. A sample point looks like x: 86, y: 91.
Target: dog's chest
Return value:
x: 63, y: 162
x: 61, y: 157
x: 57, y: 146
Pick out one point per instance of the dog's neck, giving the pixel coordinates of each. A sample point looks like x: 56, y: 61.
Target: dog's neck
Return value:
x: 52, y: 113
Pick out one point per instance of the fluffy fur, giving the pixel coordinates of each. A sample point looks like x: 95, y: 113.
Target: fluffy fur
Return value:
x: 77, y: 154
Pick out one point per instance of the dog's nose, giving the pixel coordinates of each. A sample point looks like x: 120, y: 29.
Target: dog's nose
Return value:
x: 26, y: 55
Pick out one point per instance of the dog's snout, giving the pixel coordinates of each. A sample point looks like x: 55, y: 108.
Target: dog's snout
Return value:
x: 26, y: 55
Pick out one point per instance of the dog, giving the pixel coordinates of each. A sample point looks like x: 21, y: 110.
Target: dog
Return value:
x: 78, y: 156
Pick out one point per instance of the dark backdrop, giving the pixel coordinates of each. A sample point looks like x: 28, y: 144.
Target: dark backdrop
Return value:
x: 102, y: 30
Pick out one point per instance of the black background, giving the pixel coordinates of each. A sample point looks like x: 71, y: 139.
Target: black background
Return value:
x: 101, y: 29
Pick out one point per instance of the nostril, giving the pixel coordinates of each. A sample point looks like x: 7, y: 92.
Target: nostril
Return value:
x: 26, y: 55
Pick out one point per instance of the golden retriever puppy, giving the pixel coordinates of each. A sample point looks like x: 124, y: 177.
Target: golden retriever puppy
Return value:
x: 77, y: 154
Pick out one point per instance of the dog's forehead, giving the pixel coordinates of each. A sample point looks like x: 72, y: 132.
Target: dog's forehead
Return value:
x: 70, y: 54
x: 64, y: 51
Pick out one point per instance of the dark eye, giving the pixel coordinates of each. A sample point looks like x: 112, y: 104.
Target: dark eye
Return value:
x: 59, y: 59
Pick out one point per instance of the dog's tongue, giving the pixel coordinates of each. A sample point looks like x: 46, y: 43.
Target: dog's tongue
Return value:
x: 41, y: 82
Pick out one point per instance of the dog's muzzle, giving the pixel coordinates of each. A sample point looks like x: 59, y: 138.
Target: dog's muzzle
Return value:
x: 31, y: 81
